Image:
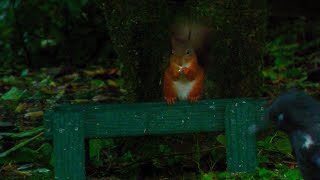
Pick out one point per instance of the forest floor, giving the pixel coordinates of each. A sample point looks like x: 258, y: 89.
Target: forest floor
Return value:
x: 26, y: 94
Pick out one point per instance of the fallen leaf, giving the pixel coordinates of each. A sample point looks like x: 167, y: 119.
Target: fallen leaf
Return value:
x: 97, y: 83
x: 112, y: 83
x: 11, y: 80
x: 94, y: 72
x: 102, y: 98
x: 13, y: 94
x: 71, y: 76
x: 18, y: 146
x: 78, y: 101
x: 24, y: 133
x: 112, y: 71
x: 47, y: 82
x: 34, y: 115
x: 99, y: 98
x: 21, y: 107
x: 6, y: 124
x: 24, y: 73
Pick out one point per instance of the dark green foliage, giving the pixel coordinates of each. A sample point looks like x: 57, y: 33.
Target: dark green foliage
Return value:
x: 41, y: 33
x: 57, y: 31
x: 293, y: 51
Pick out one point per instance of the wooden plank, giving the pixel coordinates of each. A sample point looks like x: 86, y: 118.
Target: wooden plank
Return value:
x: 69, y: 150
x: 114, y: 120
x: 69, y: 125
x: 241, y: 141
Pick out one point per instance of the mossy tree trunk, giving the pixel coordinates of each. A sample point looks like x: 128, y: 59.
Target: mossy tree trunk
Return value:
x: 140, y: 33
x: 235, y: 59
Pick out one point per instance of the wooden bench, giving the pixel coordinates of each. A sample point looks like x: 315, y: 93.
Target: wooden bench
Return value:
x: 70, y: 125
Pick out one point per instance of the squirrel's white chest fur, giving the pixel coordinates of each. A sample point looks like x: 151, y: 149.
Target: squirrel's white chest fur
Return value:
x: 183, y: 88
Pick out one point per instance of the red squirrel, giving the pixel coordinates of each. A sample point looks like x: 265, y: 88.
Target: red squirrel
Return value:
x: 184, y: 78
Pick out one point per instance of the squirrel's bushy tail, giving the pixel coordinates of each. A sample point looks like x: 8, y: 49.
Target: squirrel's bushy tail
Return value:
x: 193, y: 32
x: 197, y: 34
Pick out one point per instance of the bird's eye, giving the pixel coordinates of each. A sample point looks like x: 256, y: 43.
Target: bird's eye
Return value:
x: 280, y: 117
x: 188, y: 51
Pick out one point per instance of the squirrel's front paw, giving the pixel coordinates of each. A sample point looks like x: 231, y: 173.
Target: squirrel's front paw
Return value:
x: 188, y: 73
x: 175, y: 75
x: 185, y: 70
x: 193, y: 99
x: 170, y: 100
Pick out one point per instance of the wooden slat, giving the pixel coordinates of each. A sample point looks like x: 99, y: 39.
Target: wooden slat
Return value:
x: 114, y: 120
x: 69, y: 125
x: 241, y: 141
x: 69, y: 149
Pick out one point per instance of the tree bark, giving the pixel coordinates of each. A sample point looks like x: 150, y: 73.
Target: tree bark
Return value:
x: 233, y: 67
x: 140, y: 34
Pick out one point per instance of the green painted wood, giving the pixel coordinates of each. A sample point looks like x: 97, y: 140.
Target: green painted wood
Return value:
x: 114, y: 120
x: 68, y: 139
x: 241, y: 142
x: 69, y: 125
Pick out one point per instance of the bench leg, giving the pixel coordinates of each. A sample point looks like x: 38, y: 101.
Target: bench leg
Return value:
x: 69, y: 152
x: 241, y: 143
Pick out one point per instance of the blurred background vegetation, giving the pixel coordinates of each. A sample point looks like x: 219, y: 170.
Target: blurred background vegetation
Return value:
x: 67, y: 51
